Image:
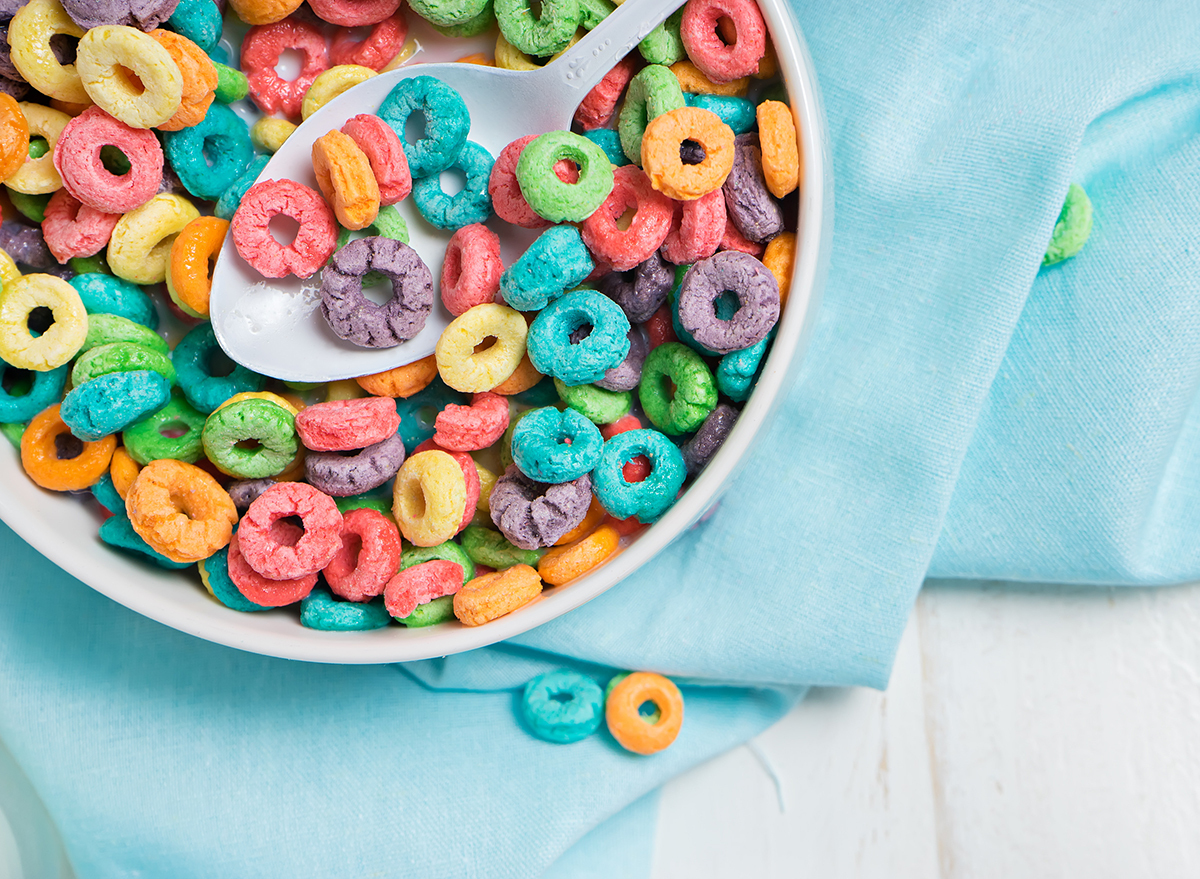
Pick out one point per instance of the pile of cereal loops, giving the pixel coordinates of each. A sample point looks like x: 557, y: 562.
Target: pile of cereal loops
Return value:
x: 566, y: 405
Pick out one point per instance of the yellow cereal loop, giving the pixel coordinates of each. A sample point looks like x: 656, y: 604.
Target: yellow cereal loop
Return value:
x: 429, y: 498
x: 264, y: 11
x: 692, y: 80
x: 332, y: 83
x: 779, y: 257
x: 60, y: 342
x: 39, y: 176
x: 29, y: 35
x: 406, y: 52
x: 487, y: 481
x: 8, y: 270
x: 268, y: 133
x: 140, y: 246
x: 129, y: 75
x: 261, y: 395
x: 510, y: 57
x: 466, y: 360
x: 344, y: 389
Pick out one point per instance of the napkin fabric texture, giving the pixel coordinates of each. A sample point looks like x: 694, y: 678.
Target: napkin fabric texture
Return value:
x: 960, y: 412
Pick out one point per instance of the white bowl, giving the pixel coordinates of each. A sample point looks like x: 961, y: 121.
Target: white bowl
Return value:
x: 64, y: 530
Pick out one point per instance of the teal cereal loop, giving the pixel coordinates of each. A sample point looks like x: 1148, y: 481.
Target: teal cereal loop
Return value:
x: 440, y: 610
x: 108, y: 294
x: 471, y: 204
x: 598, y: 405
x: 555, y: 350
x: 251, y: 439
x: 664, y: 45
x: 174, y: 431
x: 542, y: 394
x: 232, y: 84
x: 199, y: 21
x: 105, y: 329
x: 107, y: 496
x: 227, y: 204
x: 738, y: 113
x: 447, y: 552
x: 655, y: 494
x: 111, y: 402
x: 320, y: 610
x: 491, y: 548
x: 653, y: 91
x: 551, y: 446
x: 736, y: 371
x: 553, y: 198
x: 117, y: 532
x: 557, y: 261
x: 199, y: 379
x: 43, y: 391
x: 562, y: 706
x: 446, y: 122
x: 545, y: 34
x: 1073, y: 227
x: 213, y: 155
x: 121, y: 357
x: 214, y: 573
x: 681, y: 406
x: 609, y: 141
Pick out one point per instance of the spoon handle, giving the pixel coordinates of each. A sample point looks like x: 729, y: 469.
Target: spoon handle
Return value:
x: 583, y: 65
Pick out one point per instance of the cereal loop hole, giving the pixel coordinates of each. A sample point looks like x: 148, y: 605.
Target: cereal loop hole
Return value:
x: 648, y: 711
x: 726, y: 305
x: 130, y: 80
x: 40, y: 319
x: 283, y: 229
x: 64, y: 47
x: 727, y: 30
x: 562, y: 696
x: 452, y: 181
x: 414, y: 127
x: 17, y: 382
x: 114, y: 161
x: 290, y: 535
x: 427, y: 416
x: 289, y: 65
x: 173, y: 429
x: 488, y: 342
x: 219, y: 363
x: 67, y: 446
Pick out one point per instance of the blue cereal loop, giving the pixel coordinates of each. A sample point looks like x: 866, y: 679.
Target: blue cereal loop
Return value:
x: 107, y: 496
x: 193, y: 371
x: 609, y: 141
x: 108, y: 294
x: 552, y: 446
x: 44, y: 391
x: 735, y: 373
x: 557, y: 261
x: 473, y: 204
x: 654, y: 495
x: 211, y: 156
x: 214, y: 571
x: 117, y: 531
x: 199, y: 21
x: 320, y: 610
x: 555, y: 350
x: 562, y: 706
x: 738, y: 113
x: 417, y: 413
x: 446, y: 122
x: 113, y: 401
x: 227, y: 204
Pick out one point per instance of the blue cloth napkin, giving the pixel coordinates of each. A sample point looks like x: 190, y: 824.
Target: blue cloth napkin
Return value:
x: 960, y: 412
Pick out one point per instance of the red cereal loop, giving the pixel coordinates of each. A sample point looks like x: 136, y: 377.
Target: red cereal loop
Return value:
x: 628, y: 248
x: 343, y: 425
x: 421, y: 584
x: 470, y: 476
x: 260, y: 590
x: 77, y: 159
x: 469, y: 428
x: 472, y: 268
x: 706, y: 47
x: 597, y: 108
x: 384, y: 151
x: 626, y: 527
x: 271, y: 551
x: 315, y: 241
x: 367, y: 558
x: 735, y: 240
x: 382, y: 44
x: 74, y: 229
x: 354, y: 13
x: 697, y: 229
x: 507, y: 201
x: 659, y: 328
x: 622, y: 424
x: 261, y: 49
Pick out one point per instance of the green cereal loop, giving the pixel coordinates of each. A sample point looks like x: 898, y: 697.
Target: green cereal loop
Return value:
x: 146, y: 442
x: 88, y: 265
x: 550, y: 32
x: 440, y: 610
x: 651, y: 718
x: 592, y: 12
x: 506, y: 458
x: 449, y: 13
x: 232, y: 85
x: 550, y: 197
x: 472, y: 27
x: 491, y: 548
x: 376, y: 502
x: 121, y: 357
x: 387, y: 223
x: 13, y: 431
x: 654, y: 91
x: 32, y: 206
x: 448, y: 552
x: 695, y: 392
x: 104, y: 329
x: 303, y: 386
x: 1073, y: 227
x: 595, y: 403
x: 663, y: 45
x: 271, y: 426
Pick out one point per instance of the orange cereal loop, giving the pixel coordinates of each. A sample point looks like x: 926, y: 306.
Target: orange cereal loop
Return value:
x: 180, y: 510
x: 199, y: 79
x: 562, y: 564
x: 344, y: 174
x: 193, y: 257
x: 661, y: 147
x: 68, y: 107
x: 123, y: 470
x: 594, y: 516
x: 264, y: 11
x: 477, y: 58
x: 692, y: 80
x: 403, y: 381
x: 780, y: 257
x: 769, y: 65
x: 780, y: 150
x: 493, y: 595
x: 293, y: 472
x: 634, y: 732
x: 55, y: 459
x: 525, y: 377
x: 14, y: 137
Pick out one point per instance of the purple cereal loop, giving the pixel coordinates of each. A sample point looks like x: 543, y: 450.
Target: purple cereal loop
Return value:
x: 626, y: 376
x: 748, y: 202
x: 143, y: 14
x: 735, y: 272
x: 8, y: 70
x: 355, y: 318
x: 26, y: 246
x: 533, y: 514
x: 9, y: 8
x: 344, y: 475
x: 698, y: 451
x: 244, y: 492
x: 14, y: 89
x: 640, y: 295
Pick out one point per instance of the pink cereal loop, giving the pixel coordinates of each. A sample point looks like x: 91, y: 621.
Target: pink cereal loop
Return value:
x: 315, y: 242
x: 77, y: 159
x: 343, y: 425
x: 261, y: 49
x: 381, y: 45
x: 507, y: 201
x: 354, y: 13
x: 384, y: 151
x: 474, y: 427
x: 697, y: 228
x: 597, y: 108
x: 470, y: 477
x: 72, y: 228
x: 628, y: 248
x: 257, y: 588
x: 421, y: 584
x: 367, y: 558
x: 268, y: 550
x: 735, y: 240
x: 472, y: 268
x: 703, y: 41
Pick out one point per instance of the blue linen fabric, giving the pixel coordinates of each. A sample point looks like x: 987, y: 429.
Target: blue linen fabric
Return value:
x: 960, y: 412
